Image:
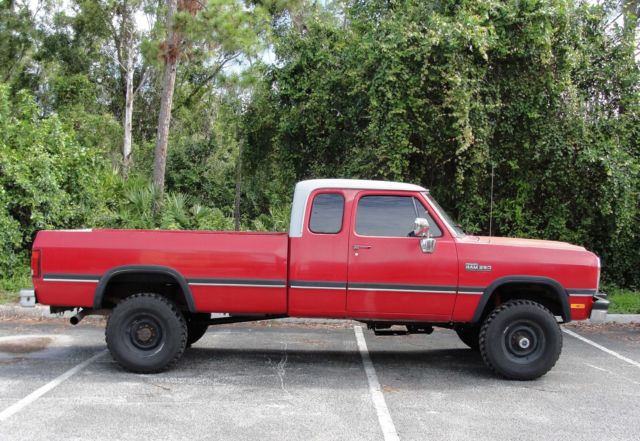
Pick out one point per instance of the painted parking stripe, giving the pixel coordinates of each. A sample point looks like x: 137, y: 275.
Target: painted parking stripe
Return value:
x: 602, y: 348
x: 33, y: 396
x: 384, y: 417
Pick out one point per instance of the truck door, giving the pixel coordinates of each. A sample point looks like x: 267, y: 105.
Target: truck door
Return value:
x: 318, y: 259
x: 389, y: 276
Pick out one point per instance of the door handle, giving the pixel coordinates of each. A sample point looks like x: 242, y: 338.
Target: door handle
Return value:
x: 361, y: 247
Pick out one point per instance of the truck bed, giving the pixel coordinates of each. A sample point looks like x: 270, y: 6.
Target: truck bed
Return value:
x: 214, y: 265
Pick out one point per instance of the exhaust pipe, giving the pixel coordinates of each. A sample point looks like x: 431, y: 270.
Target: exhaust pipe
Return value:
x: 79, y: 316
x: 82, y: 313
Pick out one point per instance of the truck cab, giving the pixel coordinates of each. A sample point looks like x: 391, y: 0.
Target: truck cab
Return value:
x: 353, y: 249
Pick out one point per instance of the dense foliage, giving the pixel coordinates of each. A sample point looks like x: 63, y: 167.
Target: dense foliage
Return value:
x: 544, y: 95
x: 445, y: 93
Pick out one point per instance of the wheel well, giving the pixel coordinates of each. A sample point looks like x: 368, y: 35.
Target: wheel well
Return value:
x: 126, y: 284
x: 542, y: 293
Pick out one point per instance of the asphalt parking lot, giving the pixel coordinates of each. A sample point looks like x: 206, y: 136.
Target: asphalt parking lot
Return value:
x: 291, y: 381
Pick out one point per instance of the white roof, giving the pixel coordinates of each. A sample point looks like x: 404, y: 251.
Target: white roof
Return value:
x: 305, y: 188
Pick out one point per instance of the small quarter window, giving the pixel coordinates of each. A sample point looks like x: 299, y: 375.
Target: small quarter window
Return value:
x: 326, y: 213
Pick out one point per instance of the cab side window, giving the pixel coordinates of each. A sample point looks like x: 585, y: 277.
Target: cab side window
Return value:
x: 391, y: 216
x: 326, y: 213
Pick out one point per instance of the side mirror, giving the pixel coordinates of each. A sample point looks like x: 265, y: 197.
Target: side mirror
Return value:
x: 428, y: 245
x: 421, y: 230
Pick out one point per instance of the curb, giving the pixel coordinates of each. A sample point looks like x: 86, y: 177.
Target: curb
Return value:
x: 40, y: 312
x: 620, y: 318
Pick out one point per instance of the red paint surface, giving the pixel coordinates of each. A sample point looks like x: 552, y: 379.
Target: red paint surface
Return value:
x: 399, y: 260
x: 320, y: 257
x: 192, y: 254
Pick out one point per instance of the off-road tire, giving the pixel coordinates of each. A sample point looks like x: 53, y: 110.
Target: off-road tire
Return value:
x: 196, y: 329
x: 520, y: 340
x: 470, y: 336
x: 146, y: 333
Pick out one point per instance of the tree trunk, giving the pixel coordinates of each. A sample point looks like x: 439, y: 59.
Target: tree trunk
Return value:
x: 236, y: 202
x: 164, y: 120
x: 128, y: 105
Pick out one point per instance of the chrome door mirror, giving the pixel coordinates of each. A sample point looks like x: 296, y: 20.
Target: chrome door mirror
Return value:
x: 428, y: 245
x: 421, y: 230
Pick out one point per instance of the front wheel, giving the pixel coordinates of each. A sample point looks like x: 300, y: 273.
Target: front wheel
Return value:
x: 520, y: 340
x: 146, y: 333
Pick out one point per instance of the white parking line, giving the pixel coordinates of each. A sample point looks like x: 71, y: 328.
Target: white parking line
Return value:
x: 33, y: 396
x: 602, y: 348
x: 384, y: 417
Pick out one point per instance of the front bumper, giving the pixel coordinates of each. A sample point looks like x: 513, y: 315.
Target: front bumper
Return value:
x: 600, y: 308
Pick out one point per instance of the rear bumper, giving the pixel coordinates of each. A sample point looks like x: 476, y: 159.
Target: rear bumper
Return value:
x: 600, y: 308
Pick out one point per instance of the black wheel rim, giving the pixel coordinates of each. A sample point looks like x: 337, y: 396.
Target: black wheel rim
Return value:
x: 144, y: 333
x: 523, y: 341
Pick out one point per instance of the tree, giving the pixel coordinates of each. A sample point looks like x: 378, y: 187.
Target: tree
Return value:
x: 129, y: 47
x: 170, y: 54
x: 127, y: 43
x: 217, y: 29
x: 17, y: 36
x: 126, y: 38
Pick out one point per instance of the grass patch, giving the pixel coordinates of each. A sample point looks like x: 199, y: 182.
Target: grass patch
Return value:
x: 9, y: 297
x: 10, y: 287
x: 623, y: 301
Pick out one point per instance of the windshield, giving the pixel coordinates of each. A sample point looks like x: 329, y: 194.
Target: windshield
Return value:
x: 444, y: 216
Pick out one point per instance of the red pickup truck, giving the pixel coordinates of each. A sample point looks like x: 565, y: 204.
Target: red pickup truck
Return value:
x: 382, y: 253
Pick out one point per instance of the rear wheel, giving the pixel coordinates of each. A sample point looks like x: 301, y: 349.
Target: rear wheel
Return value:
x: 520, y: 340
x: 146, y: 333
x: 470, y: 336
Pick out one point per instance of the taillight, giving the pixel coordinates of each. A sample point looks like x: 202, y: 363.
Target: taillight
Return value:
x: 35, y: 264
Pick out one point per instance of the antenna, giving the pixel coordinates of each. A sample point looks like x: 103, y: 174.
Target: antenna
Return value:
x: 493, y: 166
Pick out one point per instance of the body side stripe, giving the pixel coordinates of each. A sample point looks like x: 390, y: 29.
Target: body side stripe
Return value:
x: 255, y: 283
x: 86, y: 278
